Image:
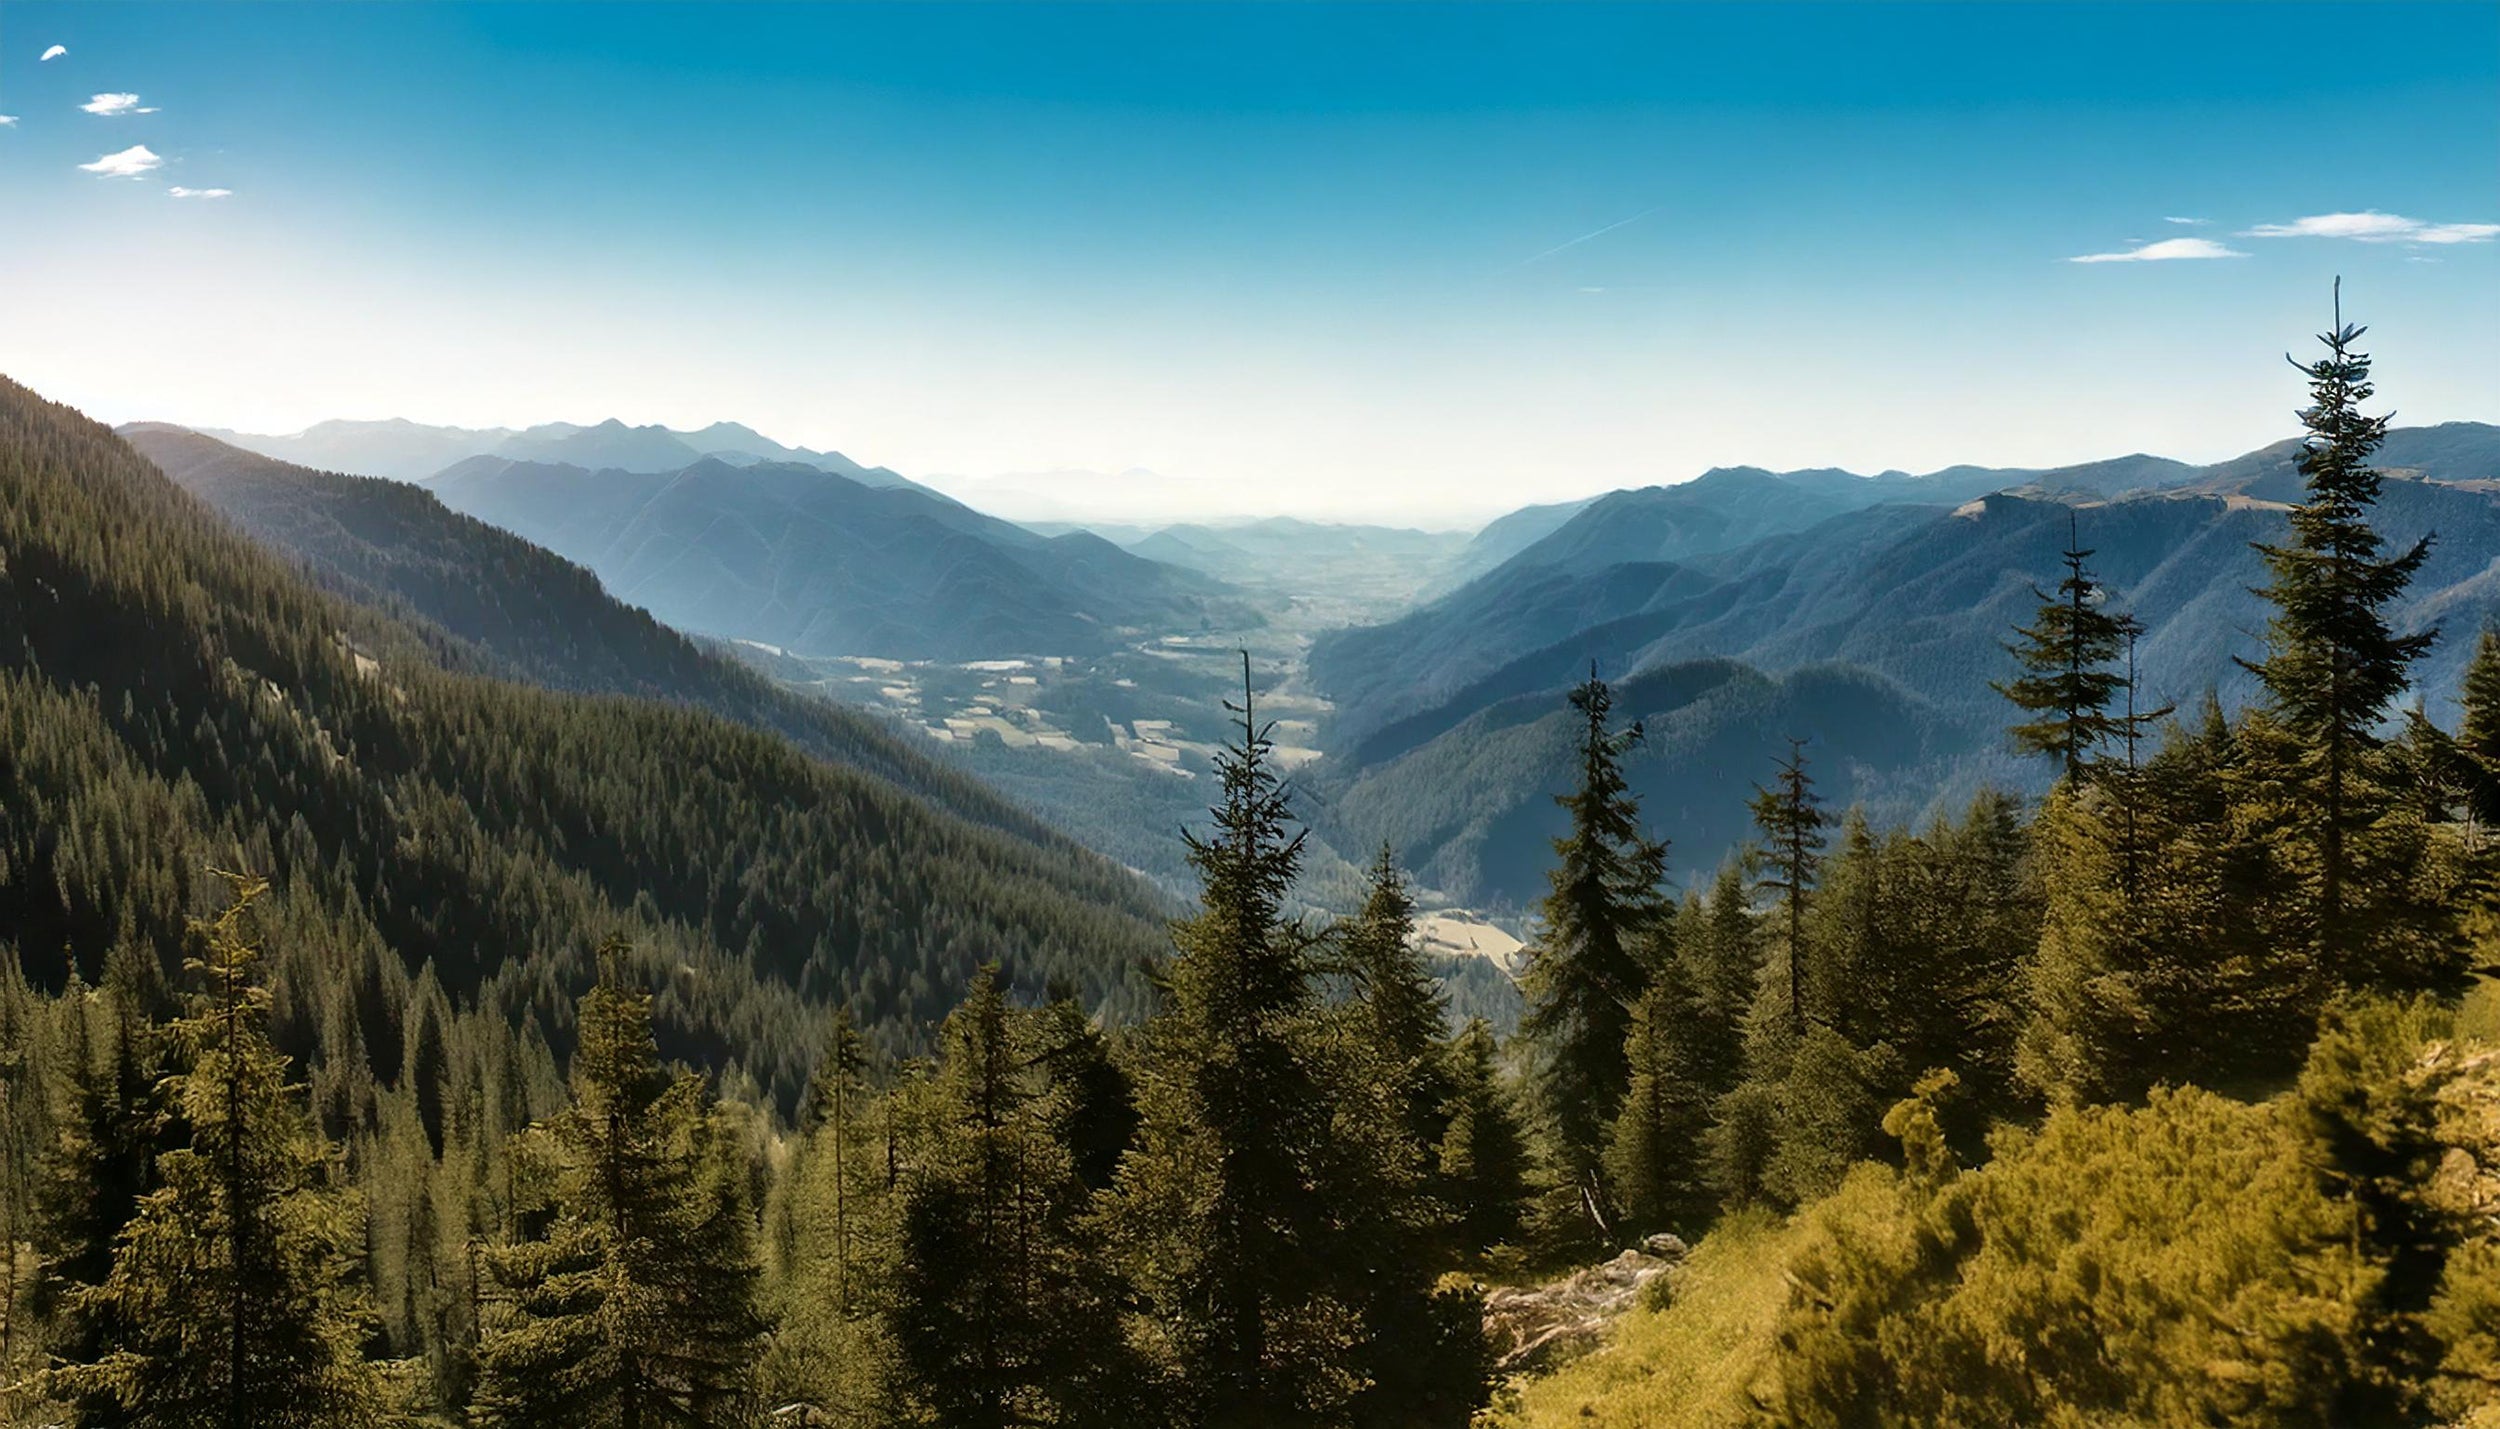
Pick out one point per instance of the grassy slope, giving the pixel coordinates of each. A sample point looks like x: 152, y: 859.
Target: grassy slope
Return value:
x: 1689, y: 1364
x: 2196, y: 1199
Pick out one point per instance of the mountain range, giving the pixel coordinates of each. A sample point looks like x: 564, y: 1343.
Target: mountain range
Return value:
x: 805, y: 560
x: 526, y: 614
x: 1898, y: 591
x: 412, y: 451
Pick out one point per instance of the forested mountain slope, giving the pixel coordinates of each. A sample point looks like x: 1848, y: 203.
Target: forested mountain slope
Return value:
x: 795, y: 557
x: 1473, y: 813
x: 1916, y: 600
x: 538, y: 618
x: 1506, y: 536
x: 175, y: 698
x: 1903, y: 578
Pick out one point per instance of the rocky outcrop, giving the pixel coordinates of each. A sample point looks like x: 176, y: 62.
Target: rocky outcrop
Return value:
x: 1535, y: 1327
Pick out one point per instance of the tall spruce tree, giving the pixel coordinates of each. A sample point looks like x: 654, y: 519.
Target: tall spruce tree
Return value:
x: 1791, y: 821
x: 1603, y: 925
x: 2067, y: 684
x: 1228, y: 1202
x: 1000, y: 1305
x: 232, y: 1295
x: 2333, y: 663
x: 1400, y: 1012
x: 1265, y: 1233
x: 635, y: 1309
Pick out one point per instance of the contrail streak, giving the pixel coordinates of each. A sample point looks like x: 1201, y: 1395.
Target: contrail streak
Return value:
x: 1585, y: 237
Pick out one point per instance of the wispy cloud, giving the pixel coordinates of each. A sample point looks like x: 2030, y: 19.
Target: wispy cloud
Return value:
x: 2371, y: 226
x: 130, y: 163
x: 178, y: 191
x: 109, y: 105
x: 2168, y: 250
x: 8, y: 121
x: 2193, y: 222
x: 54, y: 53
x: 1594, y: 233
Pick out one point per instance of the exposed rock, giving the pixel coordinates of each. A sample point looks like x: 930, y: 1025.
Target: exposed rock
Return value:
x: 1536, y: 1327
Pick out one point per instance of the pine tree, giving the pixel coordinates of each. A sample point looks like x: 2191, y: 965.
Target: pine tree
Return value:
x: 1970, y: 903
x: 1000, y: 1306
x: 1225, y: 1202
x: 1653, y: 1155
x: 1483, y: 1155
x: 2333, y: 663
x: 429, y: 1060
x: 1251, y: 1220
x: 635, y: 1308
x: 232, y: 1292
x: 1720, y: 952
x: 1605, y: 920
x: 832, y: 1103
x: 838, y: 1219
x: 25, y: 1114
x: 2196, y: 973
x: 2479, y: 738
x: 1791, y: 822
x: 2066, y: 653
x: 1826, y: 1115
x: 1399, y: 1010
x: 1095, y: 1109
x: 102, y: 1161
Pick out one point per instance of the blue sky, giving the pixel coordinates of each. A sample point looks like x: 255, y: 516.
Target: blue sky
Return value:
x: 1390, y: 259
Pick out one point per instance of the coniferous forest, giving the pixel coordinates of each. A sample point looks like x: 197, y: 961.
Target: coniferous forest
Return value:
x: 383, y: 1041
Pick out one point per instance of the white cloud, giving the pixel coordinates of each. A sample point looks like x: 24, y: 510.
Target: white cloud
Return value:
x: 130, y: 163
x: 109, y: 105
x: 2371, y: 226
x: 8, y: 121
x: 178, y: 191
x: 2164, y: 251
x: 2196, y: 222
x: 54, y: 53
x: 2457, y: 233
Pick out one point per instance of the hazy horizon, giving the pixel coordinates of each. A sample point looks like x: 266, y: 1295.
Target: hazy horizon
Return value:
x: 1141, y: 498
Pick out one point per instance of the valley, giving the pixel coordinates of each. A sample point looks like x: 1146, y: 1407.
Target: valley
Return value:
x: 1153, y: 714
x: 1735, y: 744
x: 1416, y: 676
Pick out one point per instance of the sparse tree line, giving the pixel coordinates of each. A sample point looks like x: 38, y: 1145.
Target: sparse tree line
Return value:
x: 1270, y: 1202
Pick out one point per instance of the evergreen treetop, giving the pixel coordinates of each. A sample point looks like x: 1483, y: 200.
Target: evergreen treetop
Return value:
x: 2333, y: 662
x: 1791, y: 821
x: 636, y: 1308
x: 232, y: 1290
x: 2066, y: 654
x: 1604, y: 926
